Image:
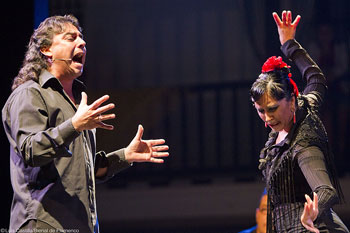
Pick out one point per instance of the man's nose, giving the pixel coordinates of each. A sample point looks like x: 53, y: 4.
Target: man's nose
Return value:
x: 81, y: 42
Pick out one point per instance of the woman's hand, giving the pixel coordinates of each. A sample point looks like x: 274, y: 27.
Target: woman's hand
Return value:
x: 310, y: 213
x: 145, y: 150
x: 286, y: 29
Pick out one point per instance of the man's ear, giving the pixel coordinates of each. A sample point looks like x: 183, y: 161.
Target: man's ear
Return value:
x: 47, y: 52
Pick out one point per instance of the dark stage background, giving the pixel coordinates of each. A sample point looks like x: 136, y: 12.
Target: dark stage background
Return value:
x: 183, y: 69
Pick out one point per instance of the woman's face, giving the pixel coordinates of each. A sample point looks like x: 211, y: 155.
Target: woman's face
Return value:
x: 278, y: 114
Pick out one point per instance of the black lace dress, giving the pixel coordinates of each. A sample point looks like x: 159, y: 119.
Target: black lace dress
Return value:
x: 302, y: 163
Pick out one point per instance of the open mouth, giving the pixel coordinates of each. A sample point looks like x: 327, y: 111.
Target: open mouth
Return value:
x: 78, y: 58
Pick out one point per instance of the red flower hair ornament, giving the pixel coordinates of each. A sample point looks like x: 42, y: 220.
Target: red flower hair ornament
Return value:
x: 276, y: 63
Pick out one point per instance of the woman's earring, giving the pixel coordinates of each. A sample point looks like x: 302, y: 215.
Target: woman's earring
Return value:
x: 294, y: 120
x: 265, y: 125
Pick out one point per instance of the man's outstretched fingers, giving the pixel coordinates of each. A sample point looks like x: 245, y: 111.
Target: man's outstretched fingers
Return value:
x: 99, y: 101
x: 83, y: 98
x: 139, y: 133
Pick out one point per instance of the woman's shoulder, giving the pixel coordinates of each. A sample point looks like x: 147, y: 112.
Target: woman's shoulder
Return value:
x: 310, y: 131
x: 311, y: 101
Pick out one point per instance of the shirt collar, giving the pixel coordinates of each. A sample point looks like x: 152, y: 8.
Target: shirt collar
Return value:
x: 47, y: 79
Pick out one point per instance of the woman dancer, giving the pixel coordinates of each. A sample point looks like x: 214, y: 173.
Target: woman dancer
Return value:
x: 296, y: 159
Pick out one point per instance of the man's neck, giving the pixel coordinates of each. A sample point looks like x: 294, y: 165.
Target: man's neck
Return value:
x: 66, y: 79
x: 67, y: 84
x: 68, y: 88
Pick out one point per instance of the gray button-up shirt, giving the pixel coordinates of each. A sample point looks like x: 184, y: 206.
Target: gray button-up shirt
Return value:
x: 52, y: 165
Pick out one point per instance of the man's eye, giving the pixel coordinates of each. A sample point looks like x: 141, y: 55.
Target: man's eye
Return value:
x: 70, y: 37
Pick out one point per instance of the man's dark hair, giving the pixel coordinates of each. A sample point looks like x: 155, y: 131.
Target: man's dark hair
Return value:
x: 34, y: 61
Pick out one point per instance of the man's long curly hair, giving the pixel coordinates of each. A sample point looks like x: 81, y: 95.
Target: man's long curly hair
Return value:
x: 34, y: 61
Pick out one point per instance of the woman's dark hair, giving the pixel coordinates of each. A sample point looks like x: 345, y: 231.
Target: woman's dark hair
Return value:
x: 275, y: 83
x: 274, y: 80
x: 34, y: 61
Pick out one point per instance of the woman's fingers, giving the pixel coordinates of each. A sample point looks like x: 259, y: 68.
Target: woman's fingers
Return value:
x: 284, y: 17
x: 310, y: 213
x: 289, y: 17
x: 308, y: 199
x: 315, y: 201
x: 296, y: 21
x: 277, y: 19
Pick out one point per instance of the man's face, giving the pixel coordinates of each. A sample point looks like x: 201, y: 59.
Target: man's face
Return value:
x: 261, y: 216
x: 70, y: 47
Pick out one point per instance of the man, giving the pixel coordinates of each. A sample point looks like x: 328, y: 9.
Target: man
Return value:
x: 260, y: 216
x: 51, y: 130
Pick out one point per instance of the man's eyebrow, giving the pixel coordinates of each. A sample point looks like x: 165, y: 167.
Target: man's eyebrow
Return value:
x: 73, y: 33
